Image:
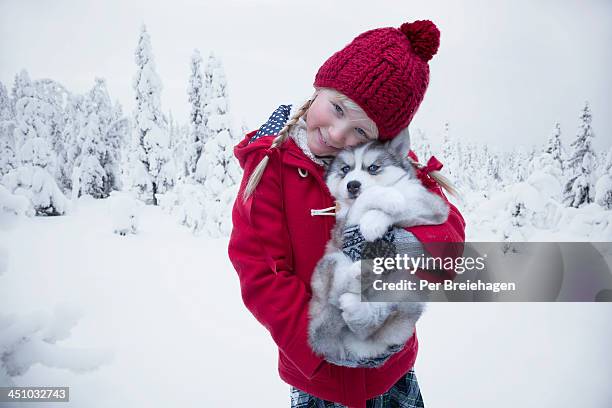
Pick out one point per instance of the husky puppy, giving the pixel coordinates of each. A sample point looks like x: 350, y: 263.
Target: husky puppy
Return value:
x: 376, y: 187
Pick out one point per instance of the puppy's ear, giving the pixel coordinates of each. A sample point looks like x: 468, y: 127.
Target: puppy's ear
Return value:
x: 400, y: 145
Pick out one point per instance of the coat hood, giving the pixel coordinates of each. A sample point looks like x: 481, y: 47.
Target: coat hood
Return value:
x: 243, y: 149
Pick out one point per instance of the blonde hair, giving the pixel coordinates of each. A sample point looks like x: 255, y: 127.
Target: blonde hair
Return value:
x: 278, y: 140
x: 442, y: 180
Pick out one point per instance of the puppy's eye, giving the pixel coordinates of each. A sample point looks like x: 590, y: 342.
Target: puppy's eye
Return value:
x: 373, y: 168
x: 345, y: 169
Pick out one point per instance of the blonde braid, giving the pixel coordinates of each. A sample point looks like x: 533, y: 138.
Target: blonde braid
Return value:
x: 442, y: 180
x: 283, y: 135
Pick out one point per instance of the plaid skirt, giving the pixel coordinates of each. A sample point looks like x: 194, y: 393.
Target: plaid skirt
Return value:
x: 405, y: 393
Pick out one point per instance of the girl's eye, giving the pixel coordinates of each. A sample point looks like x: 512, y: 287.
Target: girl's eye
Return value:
x: 345, y: 169
x: 338, y: 109
x: 373, y: 168
x: 362, y: 132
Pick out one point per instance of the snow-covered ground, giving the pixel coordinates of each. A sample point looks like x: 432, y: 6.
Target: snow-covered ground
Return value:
x: 162, y: 313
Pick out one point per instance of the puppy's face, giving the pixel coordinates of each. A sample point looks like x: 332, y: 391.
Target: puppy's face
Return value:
x: 355, y: 170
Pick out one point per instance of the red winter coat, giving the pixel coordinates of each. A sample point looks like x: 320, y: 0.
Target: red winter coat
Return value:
x: 274, y: 247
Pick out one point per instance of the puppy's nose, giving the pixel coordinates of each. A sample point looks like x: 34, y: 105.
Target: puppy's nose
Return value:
x: 353, y: 188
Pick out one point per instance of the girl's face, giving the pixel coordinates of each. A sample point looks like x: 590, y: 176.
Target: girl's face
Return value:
x: 331, y: 126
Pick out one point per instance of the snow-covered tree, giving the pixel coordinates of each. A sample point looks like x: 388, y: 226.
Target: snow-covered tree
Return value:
x: 217, y: 169
x: 197, y: 126
x: 153, y: 170
x: 34, y: 182
x: 188, y: 202
x: 56, y: 97
x: 8, y: 160
x: 579, y: 187
x: 448, y: 152
x: 34, y: 137
x: 21, y: 86
x: 471, y: 173
x: 493, y: 171
x: 603, y: 188
x: 88, y: 176
x: 40, y: 104
x: 31, y: 120
x: 520, y: 160
x: 555, y: 147
x: 75, y: 117
x: 549, y: 164
x: 420, y: 145
x: 180, y: 142
x: 117, y: 131
x: 100, y: 139
x: 95, y: 134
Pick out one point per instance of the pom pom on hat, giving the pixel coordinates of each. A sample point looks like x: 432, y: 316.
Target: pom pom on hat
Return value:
x: 424, y: 37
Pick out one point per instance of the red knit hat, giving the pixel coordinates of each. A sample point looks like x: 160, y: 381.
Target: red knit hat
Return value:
x: 385, y: 72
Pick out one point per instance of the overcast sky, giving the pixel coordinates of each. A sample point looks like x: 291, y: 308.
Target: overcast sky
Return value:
x: 505, y: 72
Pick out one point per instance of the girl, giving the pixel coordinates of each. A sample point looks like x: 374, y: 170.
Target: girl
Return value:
x: 370, y: 89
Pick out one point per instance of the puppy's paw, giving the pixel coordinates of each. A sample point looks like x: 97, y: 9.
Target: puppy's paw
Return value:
x: 349, y: 302
x: 374, y: 224
x: 355, y: 313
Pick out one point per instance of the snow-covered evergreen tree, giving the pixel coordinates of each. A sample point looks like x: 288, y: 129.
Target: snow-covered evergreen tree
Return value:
x: 34, y: 175
x: 579, y: 187
x: 153, y: 170
x: 21, y: 86
x: 451, y: 157
x: 217, y: 168
x: 483, y: 178
x: 555, y: 147
x: 420, y: 145
x: 188, y: 202
x: 493, y: 171
x: 100, y: 140
x: 56, y: 97
x: 520, y: 160
x: 471, y: 174
x: 88, y: 174
x: 180, y: 142
x: 117, y: 131
x: 545, y: 169
x: 8, y: 160
x: 74, y: 120
x: 600, y: 168
x: 603, y: 188
x: 197, y: 98
x: 447, y: 148
x: 45, y: 101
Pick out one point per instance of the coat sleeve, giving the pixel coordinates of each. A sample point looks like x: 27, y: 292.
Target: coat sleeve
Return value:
x: 444, y: 240
x: 259, y: 248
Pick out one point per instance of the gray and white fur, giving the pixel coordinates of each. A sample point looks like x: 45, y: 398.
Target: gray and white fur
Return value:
x: 377, y: 188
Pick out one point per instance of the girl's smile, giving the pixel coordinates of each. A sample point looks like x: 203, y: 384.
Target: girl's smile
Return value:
x: 322, y: 142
